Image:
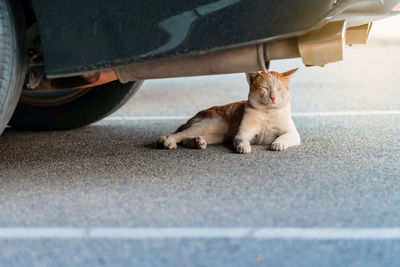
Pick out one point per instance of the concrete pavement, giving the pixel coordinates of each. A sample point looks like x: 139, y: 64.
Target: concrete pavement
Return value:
x: 345, y: 174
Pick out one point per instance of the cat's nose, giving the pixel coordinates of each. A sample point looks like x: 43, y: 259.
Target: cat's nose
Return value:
x: 273, y: 98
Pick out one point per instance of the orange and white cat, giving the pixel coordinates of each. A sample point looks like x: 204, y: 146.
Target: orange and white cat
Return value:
x: 264, y: 118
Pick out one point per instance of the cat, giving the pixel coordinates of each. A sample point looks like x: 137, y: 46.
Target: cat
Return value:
x: 264, y: 118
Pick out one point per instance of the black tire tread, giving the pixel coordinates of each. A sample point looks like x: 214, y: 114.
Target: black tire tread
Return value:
x: 96, y: 104
x: 12, y: 58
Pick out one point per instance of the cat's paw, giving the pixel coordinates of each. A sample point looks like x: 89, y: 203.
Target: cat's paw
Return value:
x: 200, y: 142
x: 278, y: 146
x: 166, y: 142
x: 243, y: 148
x: 170, y: 143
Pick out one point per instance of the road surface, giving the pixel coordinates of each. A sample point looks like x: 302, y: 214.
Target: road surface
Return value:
x: 103, y: 195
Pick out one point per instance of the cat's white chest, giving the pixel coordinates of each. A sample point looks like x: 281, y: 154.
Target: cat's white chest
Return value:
x: 267, y: 134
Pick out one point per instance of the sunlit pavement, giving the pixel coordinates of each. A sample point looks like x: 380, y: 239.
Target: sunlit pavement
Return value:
x: 82, y: 197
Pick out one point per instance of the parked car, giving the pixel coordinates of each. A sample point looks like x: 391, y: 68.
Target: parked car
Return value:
x: 68, y: 63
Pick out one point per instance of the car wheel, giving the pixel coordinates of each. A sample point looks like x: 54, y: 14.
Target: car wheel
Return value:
x: 72, y: 108
x: 13, y: 58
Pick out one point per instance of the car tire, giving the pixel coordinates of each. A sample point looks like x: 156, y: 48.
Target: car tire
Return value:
x: 13, y: 58
x: 69, y: 109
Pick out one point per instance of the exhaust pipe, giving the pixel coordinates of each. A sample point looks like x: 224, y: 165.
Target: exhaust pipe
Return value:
x: 247, y: 58
x: 316, y: 48
x: 219, y: 62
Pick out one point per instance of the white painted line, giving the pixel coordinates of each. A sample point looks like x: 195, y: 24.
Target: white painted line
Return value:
x: 328, y: 233
x: 171, y: 233
x: 202, y: 233
x: 346, y: 113
x: 295, y: 114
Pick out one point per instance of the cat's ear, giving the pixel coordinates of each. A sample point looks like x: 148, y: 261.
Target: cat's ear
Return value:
x: 285, y: 77
x: 289, y: 73
x: 251, y: 76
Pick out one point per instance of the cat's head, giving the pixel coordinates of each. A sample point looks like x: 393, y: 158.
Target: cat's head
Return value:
x: 269, y: 89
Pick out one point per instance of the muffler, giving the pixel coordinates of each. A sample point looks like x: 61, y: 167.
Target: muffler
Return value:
x: 324, y: 45
x: 318, y: 47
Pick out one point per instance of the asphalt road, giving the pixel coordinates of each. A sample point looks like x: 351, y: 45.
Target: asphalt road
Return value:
x: 346, y: 174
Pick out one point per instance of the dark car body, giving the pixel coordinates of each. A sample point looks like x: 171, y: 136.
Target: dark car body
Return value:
x: 86, y: 35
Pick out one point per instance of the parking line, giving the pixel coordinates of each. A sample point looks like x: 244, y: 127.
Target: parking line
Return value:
x: 202, y: 233
x: 346, y: 113
x: 294, y: 114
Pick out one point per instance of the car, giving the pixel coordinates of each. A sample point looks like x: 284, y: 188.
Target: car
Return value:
x: 69, y: 63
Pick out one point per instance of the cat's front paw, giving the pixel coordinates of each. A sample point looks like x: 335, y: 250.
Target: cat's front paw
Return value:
x: 166, y: 142
x: 243, y: 148
x: 278, y: 146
